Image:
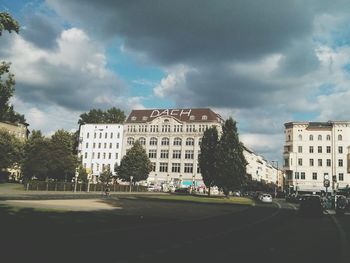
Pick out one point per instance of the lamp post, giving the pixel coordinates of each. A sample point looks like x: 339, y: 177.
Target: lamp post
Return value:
x: 76, y: 179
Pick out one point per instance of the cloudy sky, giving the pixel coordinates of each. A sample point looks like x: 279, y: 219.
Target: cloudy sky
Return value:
x: 262, y: 62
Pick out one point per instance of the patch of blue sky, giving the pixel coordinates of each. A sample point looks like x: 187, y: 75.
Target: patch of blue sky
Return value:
x: 325, y: 89
x: 346, y: 68
x: 305, y: 116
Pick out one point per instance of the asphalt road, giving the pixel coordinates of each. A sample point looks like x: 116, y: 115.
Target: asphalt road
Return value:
x: 263, y: 233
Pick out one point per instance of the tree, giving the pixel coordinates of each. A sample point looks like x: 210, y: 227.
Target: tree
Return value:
x: 207, y: 161
x: 37, y: 157
x: 112, y: 115
x: 82, y: 174
x: 135, y: 164
x: 106, y: 177
x: 7, y: 80
x: 231, y: 164
x: 62, y: 161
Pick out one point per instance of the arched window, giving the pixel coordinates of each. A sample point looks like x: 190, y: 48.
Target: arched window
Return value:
x: 300, y: 137
x: 142, y: 141
x: 288, y: 137
x: 153, y: 141
x: 130, y: 141
x: 328, y: 138
x: 319, y: 137
x: 189, y: 141
x: 340, y: 137
x: 177, y: 141
x: 165, y: 141
x: 311, y: 137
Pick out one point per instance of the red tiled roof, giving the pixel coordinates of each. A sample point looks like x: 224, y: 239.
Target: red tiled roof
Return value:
x: 183, y: 115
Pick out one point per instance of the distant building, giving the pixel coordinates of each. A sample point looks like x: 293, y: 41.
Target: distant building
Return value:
x: 172, y: 139
x: 17, y: 129
x: 100, y: 147
x: 315, y: 152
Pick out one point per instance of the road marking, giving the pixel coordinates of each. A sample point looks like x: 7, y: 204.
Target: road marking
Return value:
x: 344, y: 253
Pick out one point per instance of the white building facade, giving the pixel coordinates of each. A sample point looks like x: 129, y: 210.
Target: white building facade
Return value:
x: 315, y: 151
x: 171, y: 138
x: 100, y: 147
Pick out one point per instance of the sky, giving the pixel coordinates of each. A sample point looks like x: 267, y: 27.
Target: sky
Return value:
x: 263, y: 63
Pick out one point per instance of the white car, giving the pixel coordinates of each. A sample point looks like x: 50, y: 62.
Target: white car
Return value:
x: 266, y: 198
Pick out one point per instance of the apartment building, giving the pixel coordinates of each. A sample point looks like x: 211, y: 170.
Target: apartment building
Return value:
x: 17, y: 129
x: 315, y: 152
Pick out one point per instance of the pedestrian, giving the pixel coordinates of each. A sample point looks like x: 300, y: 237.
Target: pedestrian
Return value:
x: 107, y: 191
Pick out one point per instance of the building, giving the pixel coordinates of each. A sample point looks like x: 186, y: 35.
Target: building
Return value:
x: 17, y: 129
x: 172, y: 140
x: 315, y: 152
x: 100, y: 147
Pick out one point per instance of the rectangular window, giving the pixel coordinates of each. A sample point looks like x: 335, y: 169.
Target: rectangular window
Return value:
x: 87, y: 145
x: 302, y: 175
x: 328, y: 162
x: 105, y: 145
x: 175, y: 167
x: 163, y: 167
x: 311, y: 149
x: 116, y: 155
x: 94, y: 145
x: 99, y: 145
x: 111, y: 135
x: 95, y: 135
x: 153, y: 167
x: 314, y: 176
x: 117, y: 145
x: 319, y: 149
x: 319, y: 162
x: 106, y: 135
x: 164, y: 154
x: 87, y: 135
x: 340, y: 149
x: 341, y: 177
x: 85, y: 156
x: 98, y: 155
x: 328, y: 149
x: 340, y: 162
x: 296, y: 175
x: 93, y: 155
x: 152, y: 153
x: 177, y: 154
x: 189, y: 154
x: 188, y: 168
x: 110, y: 145
x: 300, y: 161
x: 104, y: 156
x: 300, y: 149
x: 100, y: 135
x: 311, y: 161
x: 109, y: 155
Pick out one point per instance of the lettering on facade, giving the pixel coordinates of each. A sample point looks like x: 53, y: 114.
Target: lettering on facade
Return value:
x: 167, y: 112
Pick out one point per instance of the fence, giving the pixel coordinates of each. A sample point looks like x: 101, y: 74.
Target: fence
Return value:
x: 81, y: 187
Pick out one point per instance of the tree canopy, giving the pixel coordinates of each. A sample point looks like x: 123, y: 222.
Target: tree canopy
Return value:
x: 112, y: 115
x: 10, y: 150
x: 7, y: 23
x: 135, y: 163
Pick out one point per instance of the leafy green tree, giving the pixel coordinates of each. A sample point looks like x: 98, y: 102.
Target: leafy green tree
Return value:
x: 62, y: 162
x: 135, y: 164
x: 82, y: 174
x: 7, y: 79
x: 112, y: 115
x: 207, y: 161
x: 231, y: 164
x: 106, y: 177
x: 37, y: 157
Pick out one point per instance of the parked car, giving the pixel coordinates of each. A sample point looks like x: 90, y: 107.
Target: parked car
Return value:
x: 266, y: 198
x: 311, y: 205
x: 182, y: 190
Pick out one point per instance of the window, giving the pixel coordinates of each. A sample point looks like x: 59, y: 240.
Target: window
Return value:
x: 85, y: 156
x: 165, y: 141
x: 153, y: 141
x: 319, y: 149
x: 94, y: 135
x: 104, y: 156
x: 99, y: 145
x: 340, y: 138
x: 177, y: 141
x: 163, y: 167
x: 341, y: 177
x: 152, y: 154
x: 300, y: 149
x: 340, y: 162
x: 311, y: 149
x: 117, y: 145
x: 100, y: 135
x: 106, y: 135
x: 311, y: 162
x: 188, y: 168
x: 176, y: 154
x: 110, y: 145
x: 314, y: 176
x: 204, y: 117
x: 130, y: 141
x: 142, y: 141
x: 300, y: 161
x: 328, y: 162
x: 319, y: 161
x: 87, y: 145
x: 340, y: 149
x: 200, y: 141
x: 328, y: 149
x: 302, y: 175
x: 87, y: 135
x: 164, y: 154
x: 328, y: 137
x: 189, y: 141
x: 105, y: 145
x: 93, y: 155
x: 153, y: 167
x: 319, y: 137
x: 111, y: 135
x: 109, y: 155
x: 175, y: 167
x: 311, y: 137
x: 189, y: 154
x: 118, y: 135
x: 116, y: 155
x: 98, y: 155
x: 296, y: 175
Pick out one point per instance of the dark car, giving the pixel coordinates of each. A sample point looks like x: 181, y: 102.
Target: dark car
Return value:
x: 311, y: 205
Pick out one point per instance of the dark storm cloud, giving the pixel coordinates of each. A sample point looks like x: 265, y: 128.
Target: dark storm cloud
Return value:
x: 41, y: 31
x: 186, y: 31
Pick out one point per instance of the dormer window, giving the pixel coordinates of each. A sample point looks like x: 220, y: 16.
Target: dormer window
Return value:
x: 204, y: 117
x: 133, y: 118
x: 144, y: 118
x: 192, y: 118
